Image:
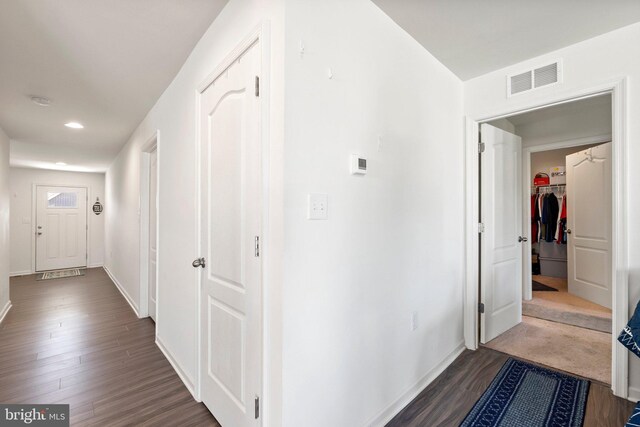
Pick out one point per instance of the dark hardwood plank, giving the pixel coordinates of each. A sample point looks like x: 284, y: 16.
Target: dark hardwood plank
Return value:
x: 448, y: 399
x: 77, y: 341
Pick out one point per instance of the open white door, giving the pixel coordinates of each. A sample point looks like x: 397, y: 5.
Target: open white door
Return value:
x: 501, y: 248
x: 153, y: 241
x: 230, y: 229
x: 61, y: 228
x: 589, y: 192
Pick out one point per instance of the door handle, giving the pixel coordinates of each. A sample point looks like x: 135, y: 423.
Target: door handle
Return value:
x: 568, y: 231
x: 199, y: 262
x: 522, y: 239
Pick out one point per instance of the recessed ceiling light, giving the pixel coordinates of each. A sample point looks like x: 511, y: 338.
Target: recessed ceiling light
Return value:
x: 41, y: 101
x: 74, y: 125
x: 61, y: 164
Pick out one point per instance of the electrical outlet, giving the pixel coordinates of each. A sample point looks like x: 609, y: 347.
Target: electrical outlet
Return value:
x: 318, y: 206
x: 414, y: 321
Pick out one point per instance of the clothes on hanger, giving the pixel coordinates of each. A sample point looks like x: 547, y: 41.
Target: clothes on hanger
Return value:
x: 561, y: 233
x: 548, y: 217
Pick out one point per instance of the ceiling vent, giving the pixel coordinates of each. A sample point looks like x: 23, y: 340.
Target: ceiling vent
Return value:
x: 533, y: 79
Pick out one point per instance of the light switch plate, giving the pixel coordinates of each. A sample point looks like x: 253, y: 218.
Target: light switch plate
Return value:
x: 318, y: 206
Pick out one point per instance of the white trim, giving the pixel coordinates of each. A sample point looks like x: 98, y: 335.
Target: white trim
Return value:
x: 387, y: 414
x: 153, y: 143
x: 122, y: 291
x: 34, y: 219
x: 259, y: 34
x: 96, y: 265
x: 20, y: 273
x: 634, y: 394
x: 527, y: 292
x: 5, y: 310
x: 176, y: 367
x: 618, y: 90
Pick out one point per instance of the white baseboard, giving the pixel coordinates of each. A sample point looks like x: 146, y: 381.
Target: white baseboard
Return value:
x: 185, y: 379
x: 403, y: 400
x: 20, y: 273
x: 97, y: 265
x: 122, y: 291
x: 5, y: 310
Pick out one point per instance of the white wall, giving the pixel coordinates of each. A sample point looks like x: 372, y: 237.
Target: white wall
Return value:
x: 22, y: 229
x: 4, y: 223
x: 586, y: 64
x: 544, y: 160
x: 393, y: 243
x: 174, y: 116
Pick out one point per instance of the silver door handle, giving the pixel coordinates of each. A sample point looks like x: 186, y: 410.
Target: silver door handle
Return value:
x: 199, y: 262
x: 522, y: 239
x: 568, y: 231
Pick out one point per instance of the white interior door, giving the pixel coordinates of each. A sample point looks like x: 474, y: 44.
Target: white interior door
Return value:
x: 153, y: 241
x: 501, y: 247
x: 230, y: 226
x: 61, y: 227
x: 589, y: 210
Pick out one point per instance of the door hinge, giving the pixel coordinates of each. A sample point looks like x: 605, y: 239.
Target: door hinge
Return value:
x: 481, y: 147
x: 480, y: 228
x: 257, y: 246
x: 481, y: 308
x: 257, y: 407
x: 257, y: 86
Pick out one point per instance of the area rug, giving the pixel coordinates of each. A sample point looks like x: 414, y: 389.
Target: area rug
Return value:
x: 523, y: 394
x: 537, y: 286
x: 59, y: 274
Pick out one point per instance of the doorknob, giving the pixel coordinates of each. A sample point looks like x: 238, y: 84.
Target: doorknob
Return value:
x: 198, y: 263
x: 522, y: 239
x: 568, y: 231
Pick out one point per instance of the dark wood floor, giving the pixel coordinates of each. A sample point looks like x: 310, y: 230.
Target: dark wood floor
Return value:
x: 77, y: 341
x: 448, y: 399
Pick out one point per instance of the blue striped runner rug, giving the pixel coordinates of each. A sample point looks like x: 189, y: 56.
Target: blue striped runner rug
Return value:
x: 526, y: 395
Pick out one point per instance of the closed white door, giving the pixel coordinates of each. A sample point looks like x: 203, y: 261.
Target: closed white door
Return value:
x: 61, y: 228
x: 153, y: 241
x: 501, y: 241
x: 589, y: 228
x: 230, y: 227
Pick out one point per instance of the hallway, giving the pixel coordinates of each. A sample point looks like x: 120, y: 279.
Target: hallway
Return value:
x: 77, y: 341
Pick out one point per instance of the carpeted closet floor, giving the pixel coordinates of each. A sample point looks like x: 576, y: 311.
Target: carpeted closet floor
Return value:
x: 579, y: 351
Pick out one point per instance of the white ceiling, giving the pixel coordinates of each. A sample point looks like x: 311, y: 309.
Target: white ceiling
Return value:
x: 102, y: 63
x: 580, y: 107
x: 473, y: 37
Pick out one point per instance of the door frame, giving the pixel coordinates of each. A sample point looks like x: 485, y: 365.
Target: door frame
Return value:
x: 620, y: 302
x: 527, y: 292
x: 260, y: 33
x: 152, y: 143
x: 34, y: 220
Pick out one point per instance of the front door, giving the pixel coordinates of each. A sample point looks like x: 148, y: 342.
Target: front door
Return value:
x: 589, y: 193
x: 231, y: 210
x: 61, y: 228
x: 501, y: 240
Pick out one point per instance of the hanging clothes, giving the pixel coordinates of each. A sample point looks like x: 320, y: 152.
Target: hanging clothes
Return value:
x: 550, y: 216
x: 534, y: 218
x: 562, y: 223
x: 558, y: 223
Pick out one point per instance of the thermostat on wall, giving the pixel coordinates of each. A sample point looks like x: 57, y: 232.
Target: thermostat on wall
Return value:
x: 358, y: 165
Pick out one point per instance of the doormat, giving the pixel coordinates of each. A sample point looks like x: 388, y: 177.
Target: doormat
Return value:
x: 523, y: 394
x: 60, y: 274
x: 537, y: 286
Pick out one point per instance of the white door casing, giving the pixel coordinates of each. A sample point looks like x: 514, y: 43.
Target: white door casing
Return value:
x: 501, y: 248
x: 153, y: 216
x: 231, y: 214
x: 61, y: 227
x: 589, y: 226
